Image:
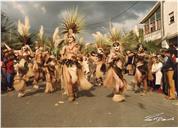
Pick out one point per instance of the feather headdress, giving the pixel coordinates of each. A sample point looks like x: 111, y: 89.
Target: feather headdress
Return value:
x: 72, y: 20
x: 56, y: 38
x: 41, y: 32
x: 115, y: 37
x: 100, y: 39
x: 23, y: 29
x: 114, y: 33
x: 20, y: 29
x: 40, y: 40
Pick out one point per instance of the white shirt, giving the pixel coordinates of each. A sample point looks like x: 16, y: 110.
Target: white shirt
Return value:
x: 156, y: 68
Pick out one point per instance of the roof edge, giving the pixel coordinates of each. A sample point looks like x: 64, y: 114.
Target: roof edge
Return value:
x: 150, y: 12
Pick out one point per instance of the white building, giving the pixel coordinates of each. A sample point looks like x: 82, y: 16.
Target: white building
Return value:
x: 160, y: 24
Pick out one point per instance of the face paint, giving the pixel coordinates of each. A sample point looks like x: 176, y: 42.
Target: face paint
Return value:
x: 116, y: 48
x: 100, y: 50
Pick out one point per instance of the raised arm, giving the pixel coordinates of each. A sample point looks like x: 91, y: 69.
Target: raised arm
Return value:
x: 7, y: 46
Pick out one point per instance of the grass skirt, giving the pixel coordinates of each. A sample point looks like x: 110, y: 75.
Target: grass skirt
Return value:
x: 19, y: 84
x: 99, y: 73
x: 73, y: 75
x: 83, y: 82
x: 113, y: 81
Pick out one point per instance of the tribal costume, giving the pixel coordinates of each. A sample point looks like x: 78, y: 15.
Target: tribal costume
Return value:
x: 100, y: 69
x: 24, y: 66
x: 21, y: 67
x: 114, y: 78
x: 37, y: 67
x: 49, y: 67
x: 99, y: 58
x: 72, y: 74
x: 141, y: 71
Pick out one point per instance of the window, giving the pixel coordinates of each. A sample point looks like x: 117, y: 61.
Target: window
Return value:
x: 158, y: 19
x: 152, y: 23
x: 146, y: 26
x: 146, y: 29
x: 152, y: 19
x: 158, y: 14
x: 171, y: 17
x: 152, y: 26
x: 158, y: 24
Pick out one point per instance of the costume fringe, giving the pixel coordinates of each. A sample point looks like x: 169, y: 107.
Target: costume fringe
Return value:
x: 83, y: 82
x: 109, y: 80
x: 19, y: 84
x: 99, y: 73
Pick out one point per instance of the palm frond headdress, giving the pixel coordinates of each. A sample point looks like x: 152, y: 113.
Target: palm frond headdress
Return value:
x: 56, y: 39
x: 100, y: 39
x: 115, y: 37
x: 72, y: 22
x: 40, y: 35
x: 23, y: 28
x: 41, y: 32
x: 114, y: 34
x: 101, y: 42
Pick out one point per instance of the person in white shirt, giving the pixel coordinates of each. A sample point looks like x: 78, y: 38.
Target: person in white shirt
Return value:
x: 156, y: 69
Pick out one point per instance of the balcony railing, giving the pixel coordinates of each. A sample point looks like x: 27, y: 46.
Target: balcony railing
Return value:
x: 152, y: 27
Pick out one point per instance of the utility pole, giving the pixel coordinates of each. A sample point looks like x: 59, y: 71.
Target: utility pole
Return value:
x: 163, y: 40
x: 10, y: 34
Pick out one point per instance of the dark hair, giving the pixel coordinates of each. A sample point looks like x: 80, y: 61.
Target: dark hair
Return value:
x: 138, y: 45
x: 11, y: 56
x: 167, y: 51
x: 115, y: 44
x: 100, y: 56
x: 93, y: 53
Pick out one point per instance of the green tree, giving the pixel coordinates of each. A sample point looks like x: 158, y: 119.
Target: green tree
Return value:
x: 9, y: 31
x: 152, y: 46
x: 130, y: 40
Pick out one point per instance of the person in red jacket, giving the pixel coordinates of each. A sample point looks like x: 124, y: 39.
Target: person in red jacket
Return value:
x: 10, y: 72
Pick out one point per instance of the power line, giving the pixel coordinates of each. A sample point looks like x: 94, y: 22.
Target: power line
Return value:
x: 114, y: 16
x: 124, y: 11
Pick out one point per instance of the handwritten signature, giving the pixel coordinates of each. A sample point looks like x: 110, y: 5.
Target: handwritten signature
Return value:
x: 158, y: 117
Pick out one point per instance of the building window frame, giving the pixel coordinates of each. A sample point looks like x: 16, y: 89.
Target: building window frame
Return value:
x: 171, y: 18
x: 146, y: 28
x: 152, y: 23
x: 158, y: 19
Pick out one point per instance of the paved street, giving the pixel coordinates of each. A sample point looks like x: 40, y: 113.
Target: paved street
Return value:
x: 90, y: 109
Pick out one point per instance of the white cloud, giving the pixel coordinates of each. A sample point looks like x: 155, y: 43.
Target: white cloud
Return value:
x: 140, y: 14
x: 20, y: 8
x: 43, y: 9
x: 39, y: 7
x: 95, y: 16
x: 130, y: 24
x: 36, y: 5
x: 61, y: 14
x: 126, y: 25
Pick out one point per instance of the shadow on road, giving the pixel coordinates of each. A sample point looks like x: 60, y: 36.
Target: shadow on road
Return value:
x: 141, y: 106
x: 34, y: 92
x: 110, y: 95
x: 86, y: 93
x: 127, y: 96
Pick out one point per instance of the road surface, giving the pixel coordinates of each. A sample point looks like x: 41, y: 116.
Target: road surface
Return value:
x: 94, y: 108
